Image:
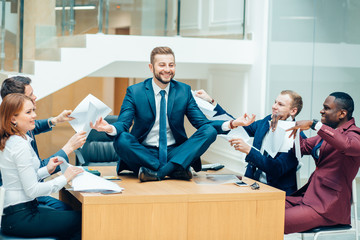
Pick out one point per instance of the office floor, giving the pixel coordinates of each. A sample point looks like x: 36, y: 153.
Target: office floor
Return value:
x: 297, y: 236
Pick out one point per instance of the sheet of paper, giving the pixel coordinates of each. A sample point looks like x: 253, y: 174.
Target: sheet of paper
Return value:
x: 216, y: 179
x: 88, y: 182
x: 238, y: 132
x: 206, y: 107
x: 279, y: 141
x: 297, y: 146
x: 88, y: 110
x: 273, y: 141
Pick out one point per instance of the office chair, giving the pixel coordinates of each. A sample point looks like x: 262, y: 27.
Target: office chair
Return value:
x: 98, y: 149
x: 5, y: 237
x: 338, y: 229
x: 298, y: 180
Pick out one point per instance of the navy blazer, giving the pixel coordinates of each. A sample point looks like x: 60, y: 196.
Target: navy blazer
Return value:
x: 139, y: 109
x: 280, y: 170
x: 42, y: 126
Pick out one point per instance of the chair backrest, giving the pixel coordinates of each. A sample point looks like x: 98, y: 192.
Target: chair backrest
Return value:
x: 98, y: 148
x: 354, y: 203
x: 298, y: 180
x: 2, y: 198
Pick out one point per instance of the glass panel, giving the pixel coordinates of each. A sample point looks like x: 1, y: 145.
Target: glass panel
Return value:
x: 9, y: 36
x: 314, y: 49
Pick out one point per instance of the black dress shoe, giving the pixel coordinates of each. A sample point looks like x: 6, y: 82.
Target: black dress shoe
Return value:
x: 146, y: 175
x: 181, y: 174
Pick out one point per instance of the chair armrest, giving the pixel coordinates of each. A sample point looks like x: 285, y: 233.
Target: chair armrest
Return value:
x: 79, y: 157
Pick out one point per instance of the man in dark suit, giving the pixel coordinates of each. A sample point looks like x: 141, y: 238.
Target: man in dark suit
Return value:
x: 22, y: 84
x: 157, y: 145
x: 278, y: 171
x: 326, y: 198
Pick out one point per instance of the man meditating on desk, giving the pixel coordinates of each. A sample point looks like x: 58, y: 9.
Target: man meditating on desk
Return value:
x: 157, y: 145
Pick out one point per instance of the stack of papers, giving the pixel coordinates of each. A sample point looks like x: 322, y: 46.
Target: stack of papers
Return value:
x: 88, y: 182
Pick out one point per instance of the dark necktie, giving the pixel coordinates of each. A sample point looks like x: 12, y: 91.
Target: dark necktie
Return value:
x: 315, y: 152
x: 258, y: 172
x: 162, y: 130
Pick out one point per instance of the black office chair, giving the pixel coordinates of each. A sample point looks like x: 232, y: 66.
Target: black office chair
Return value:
x: 98, y: 149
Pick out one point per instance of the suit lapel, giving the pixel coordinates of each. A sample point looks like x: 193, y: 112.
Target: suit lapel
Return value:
x: 171, y: 98
x: 150, y: 95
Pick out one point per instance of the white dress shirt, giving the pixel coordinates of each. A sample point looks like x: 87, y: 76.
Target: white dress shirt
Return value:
x: 152, y: 139
x: 21, y: 173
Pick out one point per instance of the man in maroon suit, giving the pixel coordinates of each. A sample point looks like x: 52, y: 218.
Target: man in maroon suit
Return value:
x: 326, y: 198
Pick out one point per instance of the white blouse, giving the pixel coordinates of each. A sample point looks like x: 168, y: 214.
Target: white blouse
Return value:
x: 21, y: 174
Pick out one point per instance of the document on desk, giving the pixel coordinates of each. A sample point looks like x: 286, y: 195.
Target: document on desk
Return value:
x: 88, y: 182
x: 88, y: 110
x: 279, y: 141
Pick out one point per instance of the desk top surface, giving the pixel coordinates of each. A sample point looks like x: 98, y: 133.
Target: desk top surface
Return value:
x: 170, y: 190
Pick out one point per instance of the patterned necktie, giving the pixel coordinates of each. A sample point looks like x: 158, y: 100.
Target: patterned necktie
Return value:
x: 162, y: 130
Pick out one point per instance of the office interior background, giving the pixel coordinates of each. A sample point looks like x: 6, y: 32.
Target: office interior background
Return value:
x: 242, y: 52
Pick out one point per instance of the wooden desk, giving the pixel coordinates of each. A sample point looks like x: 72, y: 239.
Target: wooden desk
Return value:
x: 175, y: 209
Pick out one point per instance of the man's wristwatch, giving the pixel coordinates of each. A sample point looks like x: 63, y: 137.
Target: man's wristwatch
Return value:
x: 315, y: 121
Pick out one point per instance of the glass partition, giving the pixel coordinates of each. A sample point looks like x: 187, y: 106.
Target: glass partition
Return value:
x: 314, y: 48
x: 45, y: 22
x: 9, y: 36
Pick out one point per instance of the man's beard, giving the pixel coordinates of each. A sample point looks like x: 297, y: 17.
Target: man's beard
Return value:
x: 158, y: 77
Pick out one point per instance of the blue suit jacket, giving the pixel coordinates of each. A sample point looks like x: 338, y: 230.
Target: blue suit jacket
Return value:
x: 139, y: 109
x: 280, y: 170
x: 42, y: 126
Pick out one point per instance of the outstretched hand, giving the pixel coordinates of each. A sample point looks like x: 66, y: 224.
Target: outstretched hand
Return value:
x: 240, y: 145
x: 63, y: 117
x: 52, y: 164
x: 203, y: 95
x: 244, y: 120
x: 101, y: 125
x: 300, y: 125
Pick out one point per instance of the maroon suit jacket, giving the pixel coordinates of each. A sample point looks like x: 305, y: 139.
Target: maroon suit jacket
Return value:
x: 328, y: 190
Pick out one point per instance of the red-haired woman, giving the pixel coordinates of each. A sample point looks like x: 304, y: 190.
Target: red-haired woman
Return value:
x: 21, y: 174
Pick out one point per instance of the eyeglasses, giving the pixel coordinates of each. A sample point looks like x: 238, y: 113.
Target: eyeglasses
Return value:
x: 255, y: 186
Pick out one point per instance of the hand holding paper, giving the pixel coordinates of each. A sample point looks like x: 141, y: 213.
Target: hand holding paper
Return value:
x: 206, y: 107
x: 240, y: 145
x: 87, y: 181
x: 88, y: 111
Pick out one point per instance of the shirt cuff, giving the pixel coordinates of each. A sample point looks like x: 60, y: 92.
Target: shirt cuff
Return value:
x: 43, y: 172
x: 318, y: 125
x: 114, y: 132
x: 51, y: 125
x: 225, y: 126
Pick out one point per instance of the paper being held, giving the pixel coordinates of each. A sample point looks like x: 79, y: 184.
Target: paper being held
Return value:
x: 279, y: 141
x: 206, y: 107
x: 88, y: 182
x: 88, y: 110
